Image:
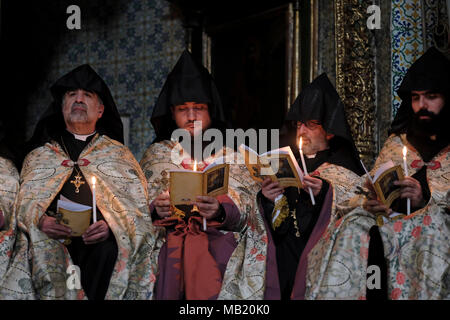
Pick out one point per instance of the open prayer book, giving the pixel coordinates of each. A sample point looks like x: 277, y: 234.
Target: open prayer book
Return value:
x: 279, y: 164
x: 186, y: 185
x: 73, y: 215
x: 383, y: 182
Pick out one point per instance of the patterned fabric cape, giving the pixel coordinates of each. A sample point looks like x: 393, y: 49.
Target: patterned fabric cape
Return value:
x: 341, y: 198
x: 15, y: 278
x: 121, y: 195
x: 244, y: 276
x: 416, y: 247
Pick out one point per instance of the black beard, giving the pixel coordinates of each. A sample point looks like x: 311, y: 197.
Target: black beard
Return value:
x: 420, y: 132
x: 426, y: 127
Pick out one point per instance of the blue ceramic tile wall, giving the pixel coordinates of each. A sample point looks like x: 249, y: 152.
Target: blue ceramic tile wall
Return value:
x: 133, y: 52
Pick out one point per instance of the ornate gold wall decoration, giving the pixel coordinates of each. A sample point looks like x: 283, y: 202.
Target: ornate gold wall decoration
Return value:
x: 296, y: 63
x: 355, y: 73
x: 289, y: 55
x: 293, y: 54
x: 314, y: 35
x: 436, y: 24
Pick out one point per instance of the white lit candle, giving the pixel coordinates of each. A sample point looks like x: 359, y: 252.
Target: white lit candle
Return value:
x: 405, y: 167
x: 305, y: 170
x: 367, y: 172
x: 204, y: 219
x: 94, y: 202
x: 204, y: 224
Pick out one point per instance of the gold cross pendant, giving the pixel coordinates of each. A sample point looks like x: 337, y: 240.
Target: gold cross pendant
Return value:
x: 195, y: 209
x: 77, y: 182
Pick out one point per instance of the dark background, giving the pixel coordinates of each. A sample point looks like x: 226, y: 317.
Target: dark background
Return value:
x: 30, y: 32
x: 248, y: 54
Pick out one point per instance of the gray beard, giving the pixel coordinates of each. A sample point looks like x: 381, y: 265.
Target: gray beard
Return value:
x: 77, y: 117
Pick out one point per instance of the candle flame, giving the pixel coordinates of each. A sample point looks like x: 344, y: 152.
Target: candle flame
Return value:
x: 195, y: 165
x: 405, y: 150
x: 300, y: 143
x: 93, y: 181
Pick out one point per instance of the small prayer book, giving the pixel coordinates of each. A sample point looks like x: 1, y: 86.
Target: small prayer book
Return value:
x: 279, y: 164
x: 186, y: 185
x: 73, y: 215
x: 383, y: 182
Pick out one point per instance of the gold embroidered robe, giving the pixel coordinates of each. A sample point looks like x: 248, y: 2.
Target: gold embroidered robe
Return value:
x: 416, y: 247
x: 345, y: 196
x: 15, y: 275
x: 122, y: 198
x: 244, y: 276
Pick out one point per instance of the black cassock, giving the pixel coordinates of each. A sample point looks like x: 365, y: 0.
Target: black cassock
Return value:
x: 291, y: 237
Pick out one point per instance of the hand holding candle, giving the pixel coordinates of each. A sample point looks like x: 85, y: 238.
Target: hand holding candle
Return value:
x: 94, y: 202
x: 405, y: 167
x: 304, y: 169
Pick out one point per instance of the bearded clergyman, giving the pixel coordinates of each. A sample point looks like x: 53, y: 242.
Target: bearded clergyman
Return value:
x: 77, y: 156
x: 406, y: 249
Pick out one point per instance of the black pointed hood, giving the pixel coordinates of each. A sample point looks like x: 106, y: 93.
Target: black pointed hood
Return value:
x: 319, y: 101
x: 188, y: 81
x: 430, y: 72
x: 51, y: 124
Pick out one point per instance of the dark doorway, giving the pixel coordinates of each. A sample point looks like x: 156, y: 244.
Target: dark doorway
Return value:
x: 248, y: 63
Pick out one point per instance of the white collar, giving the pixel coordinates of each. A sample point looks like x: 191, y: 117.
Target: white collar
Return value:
x: 82, y: 137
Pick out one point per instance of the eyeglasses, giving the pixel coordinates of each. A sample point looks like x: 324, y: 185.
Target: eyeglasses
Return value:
x: 310, y: 124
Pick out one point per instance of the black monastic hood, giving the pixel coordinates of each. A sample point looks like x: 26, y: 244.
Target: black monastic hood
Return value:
x: 430, y: 72
x: 319, y: 101
x: 51, y: 124
x: 188, y: 81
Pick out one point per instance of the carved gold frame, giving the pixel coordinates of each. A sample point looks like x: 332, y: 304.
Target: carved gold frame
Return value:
x: 314, y: 40
x: 293, y: 52
x: 354, y: 66
x: 355, y: 74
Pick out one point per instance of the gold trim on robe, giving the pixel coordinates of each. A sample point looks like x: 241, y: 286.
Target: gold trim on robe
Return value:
x: 416, y: 247
x: 122, y: 198
x: 15, y: 273
x: 244, y: 276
